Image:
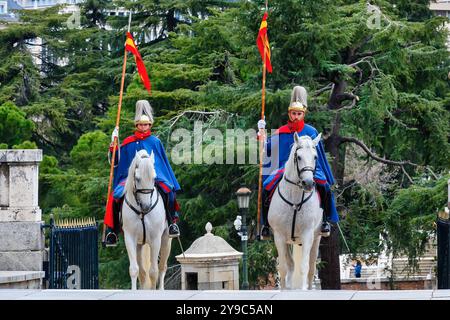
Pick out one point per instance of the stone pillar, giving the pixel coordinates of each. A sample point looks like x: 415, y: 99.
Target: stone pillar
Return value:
x: 22, y: 243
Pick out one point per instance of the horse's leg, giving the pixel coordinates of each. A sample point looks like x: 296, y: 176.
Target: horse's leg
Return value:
x: 154, y: 253
x: 282, y: 250
x: 131, y: 244
x: 146, y: 263
x: 307, y: 242
x: 142, y: 259
x: 312, y: 260
x: 141, y: 275
x: 289, y: 268
x: 166, y: 243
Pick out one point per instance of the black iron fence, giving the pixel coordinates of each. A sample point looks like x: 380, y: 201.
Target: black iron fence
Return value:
x: 443, y: 239
x: 73, y: 254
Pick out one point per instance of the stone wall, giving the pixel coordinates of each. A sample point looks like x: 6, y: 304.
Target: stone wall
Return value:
x: 21, y: 279
x: 22, y: 242
x: 413, y: 283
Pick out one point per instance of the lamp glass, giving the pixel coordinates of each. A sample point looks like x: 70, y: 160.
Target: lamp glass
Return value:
x: 243, y: 201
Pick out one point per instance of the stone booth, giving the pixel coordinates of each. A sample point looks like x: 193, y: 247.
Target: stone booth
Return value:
x: 210, y: 263
x: 21, y: 238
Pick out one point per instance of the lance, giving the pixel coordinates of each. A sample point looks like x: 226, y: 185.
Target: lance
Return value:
x: 261, y: 141
x: 111, y: 171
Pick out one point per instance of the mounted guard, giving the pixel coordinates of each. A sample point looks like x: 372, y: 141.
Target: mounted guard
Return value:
x: 166, y: 182
x: 280, y: 143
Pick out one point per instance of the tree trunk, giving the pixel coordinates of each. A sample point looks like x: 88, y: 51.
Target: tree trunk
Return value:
x: 330, y: 273
x: 337, y: 151
x: 171, y: 20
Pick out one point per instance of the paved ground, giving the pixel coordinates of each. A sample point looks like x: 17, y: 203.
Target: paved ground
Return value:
x: 10, y: 294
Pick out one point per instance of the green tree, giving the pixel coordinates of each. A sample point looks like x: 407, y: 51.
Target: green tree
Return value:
x: 14, y: 126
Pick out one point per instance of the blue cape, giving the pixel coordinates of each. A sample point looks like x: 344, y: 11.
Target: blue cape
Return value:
x: 163, y: 169
x: 281, y: 142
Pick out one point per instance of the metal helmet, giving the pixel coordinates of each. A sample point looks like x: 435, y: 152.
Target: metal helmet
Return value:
x: 144, y: 113
x: 299, y: 99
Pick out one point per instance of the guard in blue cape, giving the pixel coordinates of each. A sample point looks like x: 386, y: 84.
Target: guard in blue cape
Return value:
x: 277, y: 151
x: 166, y: 182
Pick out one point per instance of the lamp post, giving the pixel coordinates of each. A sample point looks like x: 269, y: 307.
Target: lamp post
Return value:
x: 243, y: 197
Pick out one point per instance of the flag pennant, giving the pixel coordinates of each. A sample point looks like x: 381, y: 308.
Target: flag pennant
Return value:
x: 130, y: 46
x: 262, y: 41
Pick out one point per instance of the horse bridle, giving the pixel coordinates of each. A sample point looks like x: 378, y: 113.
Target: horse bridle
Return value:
x: 297, y: 206
x: 139, y: 211
x: 299, y: 172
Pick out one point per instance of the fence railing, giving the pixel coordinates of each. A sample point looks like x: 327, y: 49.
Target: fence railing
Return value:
x: 172, y: 280
x: 73, y: 254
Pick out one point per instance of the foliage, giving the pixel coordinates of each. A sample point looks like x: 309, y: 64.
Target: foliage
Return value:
x: 25, y: 145
x: 14, y: 127
x: 410, y: 218
x: 261, y: 262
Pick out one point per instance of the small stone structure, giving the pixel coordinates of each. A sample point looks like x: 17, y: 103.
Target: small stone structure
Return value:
x: 22, y: 242
x: 210, y: 263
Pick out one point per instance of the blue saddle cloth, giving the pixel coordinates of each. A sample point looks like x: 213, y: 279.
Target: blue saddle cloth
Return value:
x: 274, y: 179
x: 119, y: 190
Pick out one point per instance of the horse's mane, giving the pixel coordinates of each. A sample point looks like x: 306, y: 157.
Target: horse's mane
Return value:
x: 146, y: 170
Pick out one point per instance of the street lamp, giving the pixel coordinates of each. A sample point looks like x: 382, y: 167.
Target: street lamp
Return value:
x: 243, y: 197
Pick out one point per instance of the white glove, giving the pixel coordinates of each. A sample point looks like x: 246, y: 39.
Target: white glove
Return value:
x: 115, y: 134
x: 261, y: 124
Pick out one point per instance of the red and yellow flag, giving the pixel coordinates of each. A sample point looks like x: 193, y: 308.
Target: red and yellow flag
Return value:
x: 263, y: 41
x: 130, y: 46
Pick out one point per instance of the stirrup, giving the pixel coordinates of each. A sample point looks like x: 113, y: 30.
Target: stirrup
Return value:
x: 325, y: 233
x: 111, y: 239
x: 265, y: 233
x: 174, y: 231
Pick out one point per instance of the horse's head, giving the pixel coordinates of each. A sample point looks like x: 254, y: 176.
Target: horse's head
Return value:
x: 141, y: 178
x: 304, y: 156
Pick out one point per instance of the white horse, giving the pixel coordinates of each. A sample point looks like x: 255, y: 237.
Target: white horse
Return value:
x: 145, y: 225
x: 295, y: 214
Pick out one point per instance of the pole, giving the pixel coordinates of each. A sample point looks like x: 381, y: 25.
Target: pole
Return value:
x: 111, y: 170
x: 244, y: 238
x: 261, y: 143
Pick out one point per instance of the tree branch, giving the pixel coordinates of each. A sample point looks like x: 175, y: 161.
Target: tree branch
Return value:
x: 175, y: 119
x: 320, y: 91
x: 373, y: 155
x: 399, y: 122
x: 407, y: 175
x: 354, y: 100
x: 367, y: 54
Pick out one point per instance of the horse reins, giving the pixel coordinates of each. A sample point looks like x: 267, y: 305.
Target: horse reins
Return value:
x: 296, y: 206
x: 141, y: 212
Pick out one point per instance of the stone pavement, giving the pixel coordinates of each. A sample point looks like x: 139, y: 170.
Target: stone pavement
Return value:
x: 226, y: 295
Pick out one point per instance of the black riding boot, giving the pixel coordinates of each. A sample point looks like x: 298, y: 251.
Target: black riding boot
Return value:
x: 171, y: 216
x: 325, y: 205
x: 112, y: 234
x: 265, y: 230
x: 174, y: 231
